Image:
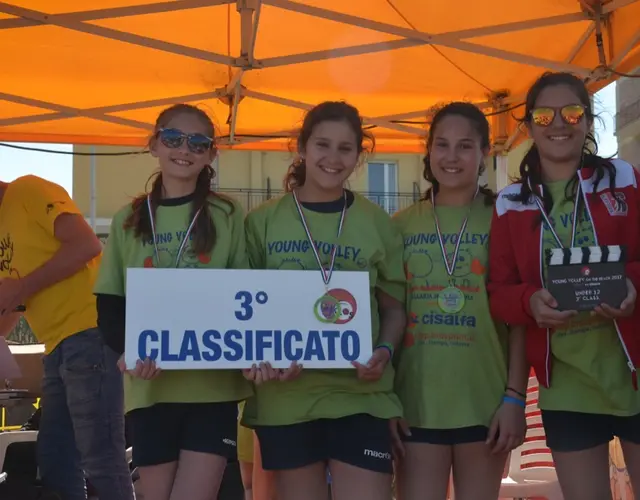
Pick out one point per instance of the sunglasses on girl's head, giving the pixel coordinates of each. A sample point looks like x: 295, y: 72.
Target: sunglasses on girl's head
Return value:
x: 571, y: 115
x: 173, y: 138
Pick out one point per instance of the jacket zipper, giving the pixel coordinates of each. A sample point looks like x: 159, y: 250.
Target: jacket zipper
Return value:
x: 630, y: 364
x: 547, y: 367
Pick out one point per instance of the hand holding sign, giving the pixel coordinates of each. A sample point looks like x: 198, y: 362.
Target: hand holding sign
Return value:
x: 146, y: 369
x: 291, y: 373
x: 627, y: 307
x: 261, y: 373
x: 265, y: 372
x: 543, y: 307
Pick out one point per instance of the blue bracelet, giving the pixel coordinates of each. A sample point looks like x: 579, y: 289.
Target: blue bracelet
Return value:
x: 387, y: 346
x: 515, y: 401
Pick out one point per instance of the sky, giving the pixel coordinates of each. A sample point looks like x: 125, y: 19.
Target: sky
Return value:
x: 58, y: 167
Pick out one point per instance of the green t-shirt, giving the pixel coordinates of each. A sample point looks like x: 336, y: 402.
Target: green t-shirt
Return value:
x: 123, y: 250
x: 590, y: 373
x: 452, y: 368
x: 276, y: 240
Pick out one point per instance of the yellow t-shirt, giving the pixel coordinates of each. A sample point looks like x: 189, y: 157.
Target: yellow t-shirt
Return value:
x: 28, y: 211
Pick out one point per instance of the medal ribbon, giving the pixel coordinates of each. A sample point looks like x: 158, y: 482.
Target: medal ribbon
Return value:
x: 184, y: 240
x: 451, y: 266
x: 326, y: 273
x: 547, y: 221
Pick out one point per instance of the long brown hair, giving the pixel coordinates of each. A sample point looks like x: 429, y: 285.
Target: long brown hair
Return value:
x: 204, y: 230
x: 480, y: 123
x: 328, y: 111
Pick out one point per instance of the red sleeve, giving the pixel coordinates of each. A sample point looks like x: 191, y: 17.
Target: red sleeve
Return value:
x: 508, y: 296
x: 633, y: 260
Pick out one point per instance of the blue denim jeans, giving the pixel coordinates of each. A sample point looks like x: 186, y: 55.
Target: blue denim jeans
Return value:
x: 82, y: 422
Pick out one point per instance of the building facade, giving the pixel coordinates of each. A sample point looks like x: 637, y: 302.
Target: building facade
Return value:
x: 628, y: 119
x: 251, y: 177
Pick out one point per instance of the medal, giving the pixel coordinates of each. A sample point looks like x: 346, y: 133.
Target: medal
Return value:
x: 451, y: 299
x: 184, y: 240
x: 327, y: 308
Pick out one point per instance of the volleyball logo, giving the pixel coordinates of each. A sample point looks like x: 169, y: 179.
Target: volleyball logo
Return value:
x: 337, y: 307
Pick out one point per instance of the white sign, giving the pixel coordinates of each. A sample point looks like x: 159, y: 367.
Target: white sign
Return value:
x: 194, y: 319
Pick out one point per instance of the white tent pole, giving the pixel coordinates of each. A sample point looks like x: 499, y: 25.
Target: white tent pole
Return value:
x: 501, y: 136
x: 502, y: 171
x: 92, y: 200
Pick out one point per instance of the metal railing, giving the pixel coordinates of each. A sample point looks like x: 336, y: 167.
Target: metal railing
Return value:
x: 252, y: 198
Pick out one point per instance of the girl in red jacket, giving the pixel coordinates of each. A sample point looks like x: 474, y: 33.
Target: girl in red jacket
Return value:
x: 568, y: 196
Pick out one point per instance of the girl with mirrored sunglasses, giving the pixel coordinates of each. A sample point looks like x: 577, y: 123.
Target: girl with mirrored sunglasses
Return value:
x: 586, y: 363
x: 184, y: 422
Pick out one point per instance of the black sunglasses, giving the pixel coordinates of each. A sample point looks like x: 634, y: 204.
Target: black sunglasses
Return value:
x: 174, y: 138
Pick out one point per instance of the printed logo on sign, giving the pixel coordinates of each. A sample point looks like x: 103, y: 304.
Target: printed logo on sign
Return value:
x: 616, y: 203
x: 338, y: 307
x: 585, y: 271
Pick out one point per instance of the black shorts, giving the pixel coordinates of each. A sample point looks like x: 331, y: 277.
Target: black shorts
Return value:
x: 573, y: 431
x: 448, y: 437
x: 162, y: 430
x: 359, y: 440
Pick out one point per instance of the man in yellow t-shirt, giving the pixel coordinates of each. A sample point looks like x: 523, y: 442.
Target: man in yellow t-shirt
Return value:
x: 49, y: 259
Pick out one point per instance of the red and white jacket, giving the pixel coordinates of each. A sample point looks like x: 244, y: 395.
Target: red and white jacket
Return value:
x: 515, y: 259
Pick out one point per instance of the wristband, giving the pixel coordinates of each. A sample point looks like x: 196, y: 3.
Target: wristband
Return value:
x: 523, y: 396
x: 388, y: 346
x: 515, y: 401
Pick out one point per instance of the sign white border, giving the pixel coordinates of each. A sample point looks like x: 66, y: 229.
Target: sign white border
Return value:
x: 231, y: 319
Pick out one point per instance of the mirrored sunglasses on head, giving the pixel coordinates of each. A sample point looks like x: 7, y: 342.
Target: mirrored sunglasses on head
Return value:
x: 571, y: 115
x: 173, y: 138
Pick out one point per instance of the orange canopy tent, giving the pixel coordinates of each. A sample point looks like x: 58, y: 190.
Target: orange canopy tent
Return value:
x: 100, y: 76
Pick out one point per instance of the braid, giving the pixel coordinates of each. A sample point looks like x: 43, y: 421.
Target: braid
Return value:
x: 139, y: 219
x: 204, y: 230
x: 296, y: 175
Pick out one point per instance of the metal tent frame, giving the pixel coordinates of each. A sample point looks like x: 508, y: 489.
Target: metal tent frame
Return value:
x: 249, y: 12
x: 596, y: 12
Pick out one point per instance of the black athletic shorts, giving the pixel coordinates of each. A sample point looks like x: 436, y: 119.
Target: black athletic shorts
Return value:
x: 162, y: 430
x: 448, y: 437
x: 574, y: 431
x: 360, y: 440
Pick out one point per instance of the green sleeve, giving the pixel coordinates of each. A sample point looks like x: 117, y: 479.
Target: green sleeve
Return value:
x: 111, y: 274
x: 391, y: 276
x: 238, y: 258
x: 255, y: 243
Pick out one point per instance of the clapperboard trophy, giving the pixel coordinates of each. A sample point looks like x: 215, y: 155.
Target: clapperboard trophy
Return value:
x: 582, y: 278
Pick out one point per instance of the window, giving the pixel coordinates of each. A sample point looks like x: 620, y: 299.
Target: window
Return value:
x: 383, y: 185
